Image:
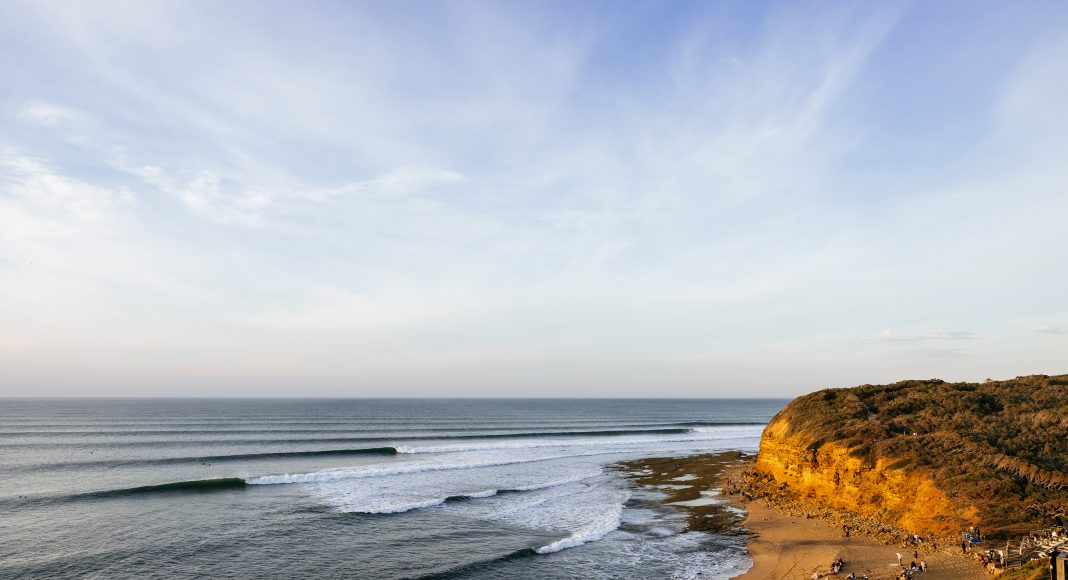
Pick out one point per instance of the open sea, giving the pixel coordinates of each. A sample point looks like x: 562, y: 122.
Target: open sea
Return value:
x: 357, y: 488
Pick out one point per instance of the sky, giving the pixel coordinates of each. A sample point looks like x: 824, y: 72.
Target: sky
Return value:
x: 492, y: 198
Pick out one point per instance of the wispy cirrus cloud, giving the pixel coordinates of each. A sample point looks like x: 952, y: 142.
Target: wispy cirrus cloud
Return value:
x: 48, y: 114
x: 528, y: 194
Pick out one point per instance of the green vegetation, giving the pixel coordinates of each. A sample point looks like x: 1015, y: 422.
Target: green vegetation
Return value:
x: 1001, y: 446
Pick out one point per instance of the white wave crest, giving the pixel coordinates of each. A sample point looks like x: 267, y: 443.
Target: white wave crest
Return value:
x: 590, y: 532
x: 698, y: 434
x: 393, y: 507
x: 581, y: 476
x: 377, y: 470
x: 497, y: 453
x: 731, y: 430
x: 508, y: 458
x: 390, y: 501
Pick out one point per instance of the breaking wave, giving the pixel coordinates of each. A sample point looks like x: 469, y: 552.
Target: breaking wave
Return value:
x: 590, y: 532
x: 398, y: 504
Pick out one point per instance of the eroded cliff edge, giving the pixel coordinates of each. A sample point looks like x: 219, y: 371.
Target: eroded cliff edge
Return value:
x: 929, y: 457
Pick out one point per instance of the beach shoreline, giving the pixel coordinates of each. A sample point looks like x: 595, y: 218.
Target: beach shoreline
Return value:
x: 785, y: 546
x: 781, y: 546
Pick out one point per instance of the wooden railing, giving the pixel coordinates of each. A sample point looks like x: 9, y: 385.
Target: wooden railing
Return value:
x: 1034, y: 545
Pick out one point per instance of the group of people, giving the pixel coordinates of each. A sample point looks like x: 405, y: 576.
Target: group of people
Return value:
x: 974, y: 534
x: 1044, y: 538
x: 992, y: 560
x: 913, y: 568
x: 917, y: 566
x: 836, y: 567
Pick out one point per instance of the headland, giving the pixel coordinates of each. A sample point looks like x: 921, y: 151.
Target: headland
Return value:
x: 969, y: 478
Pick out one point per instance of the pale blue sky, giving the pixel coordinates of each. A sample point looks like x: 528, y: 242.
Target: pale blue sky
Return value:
x: 529, y: 198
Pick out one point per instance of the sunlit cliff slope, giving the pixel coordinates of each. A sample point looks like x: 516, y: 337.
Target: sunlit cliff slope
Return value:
x: 929, y: 456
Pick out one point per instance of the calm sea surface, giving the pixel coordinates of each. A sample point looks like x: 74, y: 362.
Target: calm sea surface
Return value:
x: 371, y: 488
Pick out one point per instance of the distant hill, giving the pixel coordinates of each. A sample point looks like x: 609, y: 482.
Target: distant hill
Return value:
x: 929, y: 456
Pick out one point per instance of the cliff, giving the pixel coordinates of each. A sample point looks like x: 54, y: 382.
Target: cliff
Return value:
x: 928, y: 456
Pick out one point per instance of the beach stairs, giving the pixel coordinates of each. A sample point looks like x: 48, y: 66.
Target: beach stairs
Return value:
x: 1014, y: 555
x: 1027, y: 549
x: 1049, y: 541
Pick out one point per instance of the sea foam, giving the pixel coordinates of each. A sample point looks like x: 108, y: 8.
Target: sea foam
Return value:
x: 590, y: 532
x: 409, y: 493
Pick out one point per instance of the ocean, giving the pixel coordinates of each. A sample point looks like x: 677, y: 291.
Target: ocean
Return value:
x: 357, y: 488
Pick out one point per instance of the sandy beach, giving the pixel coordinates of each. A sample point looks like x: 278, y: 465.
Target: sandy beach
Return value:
x: 781, y: 546
x: 794, y: 547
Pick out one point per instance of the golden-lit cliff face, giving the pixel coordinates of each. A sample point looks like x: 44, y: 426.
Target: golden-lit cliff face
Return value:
x: 829, y: 474
x: 929, y: 456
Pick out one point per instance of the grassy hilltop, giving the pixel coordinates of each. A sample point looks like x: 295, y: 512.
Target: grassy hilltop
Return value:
x: 930, y: 455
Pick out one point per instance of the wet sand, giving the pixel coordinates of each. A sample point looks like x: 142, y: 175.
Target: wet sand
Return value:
x: 781, y: 546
